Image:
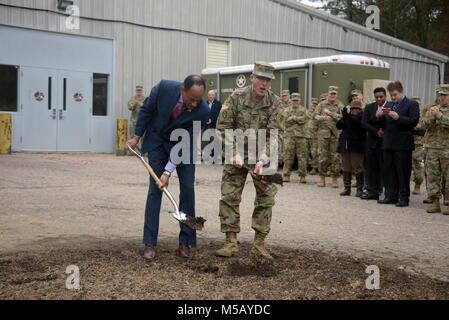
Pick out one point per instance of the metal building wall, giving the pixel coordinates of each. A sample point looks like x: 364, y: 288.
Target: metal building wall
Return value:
x: 146, y: 55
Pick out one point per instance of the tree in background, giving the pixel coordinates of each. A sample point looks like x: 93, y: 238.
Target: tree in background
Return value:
x: 422, y: 22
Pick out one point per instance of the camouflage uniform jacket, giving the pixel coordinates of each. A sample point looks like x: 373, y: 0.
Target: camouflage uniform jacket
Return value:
x: 241, y: 111
x: 328, y: 128
x: 423, y: 113
x: 437, y: 135
x: 296, y: 120
x: 132, y: 106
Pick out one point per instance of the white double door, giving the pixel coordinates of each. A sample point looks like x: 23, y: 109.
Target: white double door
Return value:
x: 57, y: 108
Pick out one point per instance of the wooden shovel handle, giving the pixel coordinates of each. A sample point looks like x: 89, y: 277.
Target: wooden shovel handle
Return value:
x: 150, y: 170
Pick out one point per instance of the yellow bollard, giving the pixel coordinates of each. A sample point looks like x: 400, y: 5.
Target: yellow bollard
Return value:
x: 122, y: 134
x: 5, y: 133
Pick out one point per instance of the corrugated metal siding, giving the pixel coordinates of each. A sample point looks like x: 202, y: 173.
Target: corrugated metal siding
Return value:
x: 144, y: 56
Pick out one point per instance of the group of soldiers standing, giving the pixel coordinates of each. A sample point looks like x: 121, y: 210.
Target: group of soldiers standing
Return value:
x: 312, y: 135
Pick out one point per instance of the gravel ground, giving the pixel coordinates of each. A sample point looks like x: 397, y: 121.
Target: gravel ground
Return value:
x: 54, y: 200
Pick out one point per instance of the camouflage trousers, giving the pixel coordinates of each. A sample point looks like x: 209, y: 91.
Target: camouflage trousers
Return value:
x: 437, y: 172
x: 298, y: 146
x: 328, y: 159
x: 232, y: 184
x: 312, y: 145
x: 132, y: 127
x: 418, y: 170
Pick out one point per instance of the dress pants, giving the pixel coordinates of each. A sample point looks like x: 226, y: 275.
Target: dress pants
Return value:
x: 397, y: 172
x: 374, y: 170
x: 186, y: 174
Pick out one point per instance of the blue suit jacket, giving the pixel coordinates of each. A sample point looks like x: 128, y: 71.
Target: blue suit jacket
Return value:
x: 154, y: 118
x: 214, y: 113
x: 398, y: 134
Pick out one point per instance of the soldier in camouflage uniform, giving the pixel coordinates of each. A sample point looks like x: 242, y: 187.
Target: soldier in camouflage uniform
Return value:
x: 312, y: 142
x: 418, y: 153
x: 436, y: 122
x: 327, y: 114
x: 295, y: 138
x: 424, y: 112
x: 134, y: 105
x: 254, y: 107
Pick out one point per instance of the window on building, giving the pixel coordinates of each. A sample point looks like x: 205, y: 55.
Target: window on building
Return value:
x: 217, y: 53
x: 8, y: 87
x: 100, y: 95
x: 293, y: 84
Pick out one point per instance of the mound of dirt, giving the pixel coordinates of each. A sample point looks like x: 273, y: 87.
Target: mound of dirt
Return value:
x: 116, y: 270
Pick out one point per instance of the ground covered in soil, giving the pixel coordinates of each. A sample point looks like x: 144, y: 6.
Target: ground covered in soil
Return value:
x: 116, y: 270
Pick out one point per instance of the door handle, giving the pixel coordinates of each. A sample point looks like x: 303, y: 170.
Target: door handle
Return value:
x: 53, y: 114
x: 60, y: 114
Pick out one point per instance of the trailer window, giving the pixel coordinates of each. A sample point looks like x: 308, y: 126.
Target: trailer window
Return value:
x: 8, y: 88
x: 293, y: 84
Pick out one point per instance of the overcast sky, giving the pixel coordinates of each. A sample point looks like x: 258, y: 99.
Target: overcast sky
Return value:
x: 311, y: 3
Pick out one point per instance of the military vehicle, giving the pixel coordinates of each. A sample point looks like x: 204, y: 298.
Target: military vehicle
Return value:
x: 310, y: 77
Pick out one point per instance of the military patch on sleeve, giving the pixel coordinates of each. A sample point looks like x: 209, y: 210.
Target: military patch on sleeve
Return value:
x: 225, y: 106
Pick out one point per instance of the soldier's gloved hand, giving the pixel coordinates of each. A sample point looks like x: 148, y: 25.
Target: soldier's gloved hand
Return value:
x: 133, y: 142
x: 237, y: 161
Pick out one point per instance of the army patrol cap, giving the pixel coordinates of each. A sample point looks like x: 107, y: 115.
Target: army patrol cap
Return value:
x: 444, y: 89
x: 356, y: 92
x: 315, y: 100
x: 263, y: 69
x: 285, y: 92
x: 296, y: 96
x: 333, y: 89
x: 139, y: 88
x: 323, y: 96
x: 437, y: 88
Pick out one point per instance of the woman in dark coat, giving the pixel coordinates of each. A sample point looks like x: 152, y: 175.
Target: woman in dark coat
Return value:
x: 351, y: 146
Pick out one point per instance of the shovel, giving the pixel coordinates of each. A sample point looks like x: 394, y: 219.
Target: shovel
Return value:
x: 189, y: 222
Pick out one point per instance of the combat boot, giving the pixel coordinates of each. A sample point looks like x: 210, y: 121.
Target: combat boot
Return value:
x: 230, y: 248
x: 302, y: 180
x: 312, y: 172
x: 286, y: 178
x: 259, y: 246
x: 360, y: 180
x: 435, y: 207
x: 417, y: 188
x: 322, y: 183
x: 346, y: 183
x: 446, y: 211
x: 335, y: 182
x: 427, y: 201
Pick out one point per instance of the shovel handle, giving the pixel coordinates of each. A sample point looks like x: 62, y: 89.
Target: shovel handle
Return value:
x: 152, y: 173
x: 146, y: 164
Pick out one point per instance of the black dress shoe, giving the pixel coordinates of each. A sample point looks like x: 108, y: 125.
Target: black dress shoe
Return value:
x: 370, y: 197
x: 184, y: 251
x: 149, y: 253
x: 402, y: 203
x: 387, y: 201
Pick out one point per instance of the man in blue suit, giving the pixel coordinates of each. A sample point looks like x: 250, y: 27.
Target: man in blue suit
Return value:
x: 170, y: 106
